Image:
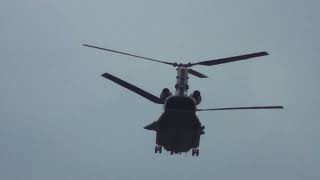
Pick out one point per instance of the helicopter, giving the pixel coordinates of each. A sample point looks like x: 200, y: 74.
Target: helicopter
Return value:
x: 178, y: 129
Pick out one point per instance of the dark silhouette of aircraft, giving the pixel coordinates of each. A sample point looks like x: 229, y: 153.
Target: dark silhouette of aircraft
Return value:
x: 178, y: 129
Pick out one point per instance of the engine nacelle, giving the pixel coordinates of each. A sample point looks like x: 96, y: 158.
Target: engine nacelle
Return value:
x: 196, y: 96
x: 165, y: 94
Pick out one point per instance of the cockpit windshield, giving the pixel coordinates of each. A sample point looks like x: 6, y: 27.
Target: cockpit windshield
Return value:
x: 180, y: 103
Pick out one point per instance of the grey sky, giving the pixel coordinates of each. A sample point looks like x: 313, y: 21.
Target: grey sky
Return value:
x: 60, y: 120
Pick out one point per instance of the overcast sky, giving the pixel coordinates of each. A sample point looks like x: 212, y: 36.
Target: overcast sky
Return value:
x: 59, y: 119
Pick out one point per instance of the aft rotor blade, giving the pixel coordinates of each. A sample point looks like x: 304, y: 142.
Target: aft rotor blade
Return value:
x: 133, y: 88
x: 242, y: 108
x: 132, y: 55
x: 230, y: 59
x: 196, y: 73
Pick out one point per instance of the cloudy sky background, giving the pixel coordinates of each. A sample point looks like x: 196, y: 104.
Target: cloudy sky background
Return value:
x: 60, y: 120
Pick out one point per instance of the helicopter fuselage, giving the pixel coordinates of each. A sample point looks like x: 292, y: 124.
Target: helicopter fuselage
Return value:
x: 178, y: 128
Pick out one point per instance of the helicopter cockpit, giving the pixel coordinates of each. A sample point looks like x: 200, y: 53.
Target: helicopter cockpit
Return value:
x: 180, y: 103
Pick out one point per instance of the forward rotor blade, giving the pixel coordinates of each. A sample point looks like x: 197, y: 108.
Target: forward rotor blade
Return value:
x: 197, y: 74
x: 242, y: 108
x: 132, y: 55
x: 133, y: 88
x: 230, y: 59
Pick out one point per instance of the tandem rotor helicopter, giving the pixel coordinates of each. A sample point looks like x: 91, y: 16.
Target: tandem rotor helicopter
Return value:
x: 178, y: 129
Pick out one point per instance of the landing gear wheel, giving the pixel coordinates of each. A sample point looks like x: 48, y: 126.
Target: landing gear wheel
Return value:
x: 157, y: 149
x: 195, y: 152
